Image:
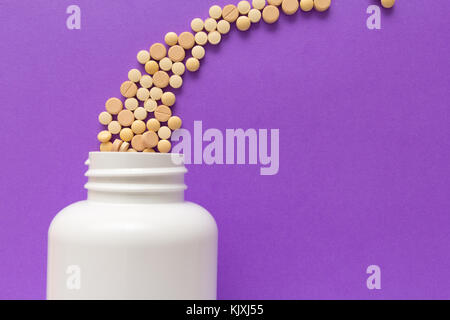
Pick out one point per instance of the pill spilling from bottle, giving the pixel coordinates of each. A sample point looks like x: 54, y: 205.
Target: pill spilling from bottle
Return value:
x: 144, y: 121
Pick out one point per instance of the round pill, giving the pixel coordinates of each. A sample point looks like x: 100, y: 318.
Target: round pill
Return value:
x: 168, y: 99
x: 192, y: 64
x: 201, y: 38
x: 165, y: 64
x: 134, y: 75
x: 125, y: 118
x: 150, y: 105
x: 214, y: 37
x: 143, y: 56
x: 104, y: 136
x: 131, y: 104
x: 150, y: 139
x: 164, y: 146
x: 146, y: 81
x: 128, y: 89
x: 156, y: 93
x: 114, y: 127
x: 186, y: 40
x: 106, y: 147
x: 387, y: 3
x: 176, y: 81
x: 149, y: 150
x: 254, y: 15
x: 210, y: 24
x: 126, y: 134
x: 104, y: 118
x: 113, y: 105
x: 243, y: 23
x: 270, y: 14
x: 197, y: 25
x: 161, y: 79
x: 244, y: 7
x: 158, y: 51
x: 131, y: 150
x: 163, y: 113
x: 215, y: 12
x: 124, y: 147
x: 178, y: 68
x: 306, y: 5
x: 174, y: 123
x: 274, y: 2
x: 290, y: 7
x: 153, y: 125
x: 138, y: 143
x: 322, y: 5
x: 259, y: 4
x: 198, y: 52
x: 176, y: 53
x: 223, y: 26
x: 116, y: 145
x: 164, y: 132
x: 151, y: 67
x: 230, y: 13
x: 171, y: 38
x: 140, y: 113
x: 143, y: 94
x: 138, y: 127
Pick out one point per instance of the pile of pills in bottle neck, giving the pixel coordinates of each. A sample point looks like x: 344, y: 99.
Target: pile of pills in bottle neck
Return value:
x: 143, y: 120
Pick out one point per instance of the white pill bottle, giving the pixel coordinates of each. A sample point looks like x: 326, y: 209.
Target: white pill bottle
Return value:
x: 134, y: 237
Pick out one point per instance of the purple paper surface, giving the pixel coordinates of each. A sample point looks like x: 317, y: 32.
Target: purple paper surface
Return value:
x: 364, y: 123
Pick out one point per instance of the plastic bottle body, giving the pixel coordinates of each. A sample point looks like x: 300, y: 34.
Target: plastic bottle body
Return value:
x: 147, y: 244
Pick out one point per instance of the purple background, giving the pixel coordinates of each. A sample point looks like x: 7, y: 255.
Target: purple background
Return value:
x: 364, y: 132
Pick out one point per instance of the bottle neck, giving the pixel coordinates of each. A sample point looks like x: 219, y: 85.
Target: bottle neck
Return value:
x: 135, y: 178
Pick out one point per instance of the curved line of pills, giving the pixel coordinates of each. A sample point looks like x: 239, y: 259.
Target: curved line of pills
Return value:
x: 131, y: 122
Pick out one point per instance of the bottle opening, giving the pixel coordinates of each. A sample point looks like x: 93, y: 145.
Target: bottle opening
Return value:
x: 122, y: 160
x: 123, y: 176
